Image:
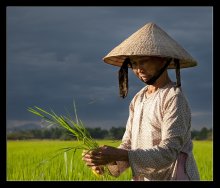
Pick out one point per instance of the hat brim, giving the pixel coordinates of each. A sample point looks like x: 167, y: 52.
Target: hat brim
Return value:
x: 118, y: 61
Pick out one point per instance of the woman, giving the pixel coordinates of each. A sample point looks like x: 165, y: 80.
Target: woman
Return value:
x: 157, y: 142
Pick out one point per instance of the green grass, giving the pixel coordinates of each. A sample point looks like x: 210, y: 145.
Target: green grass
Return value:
x: 203, y: 152
x: 23, y: 158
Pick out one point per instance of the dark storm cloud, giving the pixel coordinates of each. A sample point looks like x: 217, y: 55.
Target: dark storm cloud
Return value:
x: 54, y: 54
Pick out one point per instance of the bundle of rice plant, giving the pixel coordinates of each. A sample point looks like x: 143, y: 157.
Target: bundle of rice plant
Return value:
x: 75, y: 128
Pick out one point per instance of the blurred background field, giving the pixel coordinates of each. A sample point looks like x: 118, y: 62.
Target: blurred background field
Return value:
x: 24, y: 157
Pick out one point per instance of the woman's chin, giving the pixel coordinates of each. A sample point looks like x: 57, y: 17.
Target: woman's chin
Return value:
x: 144, y: 79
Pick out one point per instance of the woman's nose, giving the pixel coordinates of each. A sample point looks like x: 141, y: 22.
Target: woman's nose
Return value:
x: 139, y: 69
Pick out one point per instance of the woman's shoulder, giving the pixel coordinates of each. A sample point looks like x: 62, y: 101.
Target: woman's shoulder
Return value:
x: 139, y: 95
x: 141, y: 92
x: 171, y: 92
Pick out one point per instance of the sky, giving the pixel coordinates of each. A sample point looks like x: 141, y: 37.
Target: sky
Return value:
x: 54, y: 57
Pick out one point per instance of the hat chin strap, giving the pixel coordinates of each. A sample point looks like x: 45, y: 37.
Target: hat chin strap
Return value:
x: 177, y: 66
x: 158, y: 74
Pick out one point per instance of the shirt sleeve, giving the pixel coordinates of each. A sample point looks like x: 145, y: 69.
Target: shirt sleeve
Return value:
x: 118, y: 167
x: 176, y: 122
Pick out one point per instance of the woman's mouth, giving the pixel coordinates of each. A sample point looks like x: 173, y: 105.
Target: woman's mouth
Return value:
x: 144, y: 77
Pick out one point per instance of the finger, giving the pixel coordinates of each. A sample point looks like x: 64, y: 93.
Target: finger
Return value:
x: 94, y: 162
x: 91, y: 155
x: 96, y: 152
x: 86, y: 156
x: 92, y: 159
x: 98, y: 171
x: 85, y: 152
x: 98, y: 168
x: 90, y: 163
x: 95, y: 168
x: 97, y: 162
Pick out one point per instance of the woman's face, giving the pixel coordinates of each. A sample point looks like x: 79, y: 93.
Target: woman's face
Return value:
x: 146, y: 67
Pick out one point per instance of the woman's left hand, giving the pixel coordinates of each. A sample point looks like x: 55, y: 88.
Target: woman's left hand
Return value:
x: 105, y: 155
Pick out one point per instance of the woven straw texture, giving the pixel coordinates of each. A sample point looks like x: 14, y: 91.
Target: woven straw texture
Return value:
x: 150, y: 40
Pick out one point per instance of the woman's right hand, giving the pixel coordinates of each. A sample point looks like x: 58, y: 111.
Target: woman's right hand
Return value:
x: 97, y: 170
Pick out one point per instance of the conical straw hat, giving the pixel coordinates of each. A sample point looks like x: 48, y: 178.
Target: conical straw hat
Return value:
x: 150, y: 40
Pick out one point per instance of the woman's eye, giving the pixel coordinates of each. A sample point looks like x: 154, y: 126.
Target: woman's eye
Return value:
x: 134, y: 63
x: 142, y: 63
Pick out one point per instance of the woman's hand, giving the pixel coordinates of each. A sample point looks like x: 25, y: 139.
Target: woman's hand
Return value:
x: 97, y: 170
x: 104, y: 155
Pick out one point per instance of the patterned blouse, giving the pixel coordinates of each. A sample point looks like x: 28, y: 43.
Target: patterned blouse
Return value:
x: 158, y: 137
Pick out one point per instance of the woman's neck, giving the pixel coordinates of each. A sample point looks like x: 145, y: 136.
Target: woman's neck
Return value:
x: 161, y: 82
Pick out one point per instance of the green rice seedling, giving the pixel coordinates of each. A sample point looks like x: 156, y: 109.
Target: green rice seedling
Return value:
x: 75, y: 128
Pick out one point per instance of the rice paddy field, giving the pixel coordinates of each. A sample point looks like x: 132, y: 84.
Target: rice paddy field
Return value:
x: 33, y: 161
